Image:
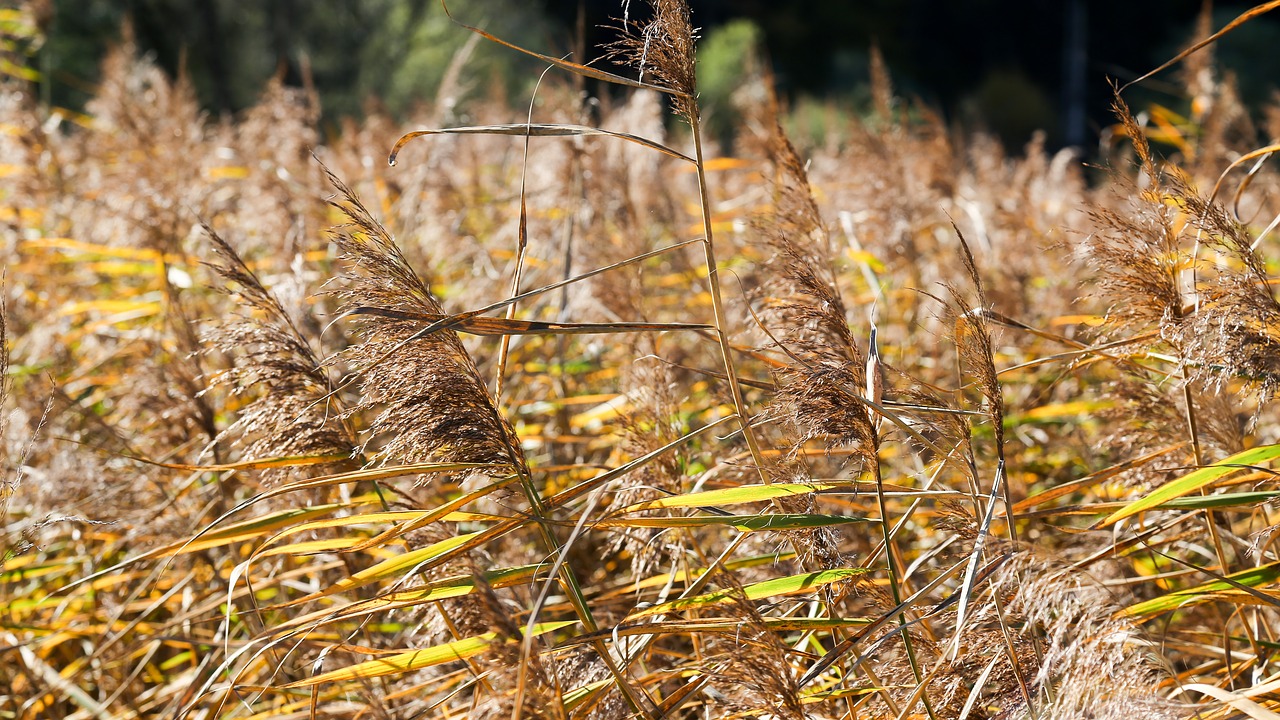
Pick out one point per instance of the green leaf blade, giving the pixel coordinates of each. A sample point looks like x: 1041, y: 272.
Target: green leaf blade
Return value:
x: 1187, y: 484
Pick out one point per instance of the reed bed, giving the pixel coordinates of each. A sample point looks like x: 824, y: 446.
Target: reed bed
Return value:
x: 568, y: 418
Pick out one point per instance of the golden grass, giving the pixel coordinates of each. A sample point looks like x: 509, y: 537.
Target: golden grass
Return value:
x: 560, y: 421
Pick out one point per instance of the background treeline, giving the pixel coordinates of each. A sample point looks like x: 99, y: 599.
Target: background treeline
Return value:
x: 1002, y: 65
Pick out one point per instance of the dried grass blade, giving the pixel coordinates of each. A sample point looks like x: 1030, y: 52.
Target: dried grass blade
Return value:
x: 1244, y: 185
x: 435, y: 591
x: 1240, y: 20
x: 971, y: 572
x: 416, y: 659
x: 1260, y: 153
x: 978, y: 685
x: 791, y: 585
x: 210, y: 538
x: 732, y: 496
x: 502, y: 326
x: 743, y: 523
x: 918, y: 695
x: 1092, y: 479
x: 454, y: 320
x: 394, y: 567
x: 576, y: 68
x: 337, y: 479
x: 713, y: 625
x: 672, y: 702
x: 1238, y: 581
x: 264, y: 463
x: 1194, y: 481
x: 437, y: 513
x: 351, y: 544
x: 537, y: 130
x: 1239, y: 702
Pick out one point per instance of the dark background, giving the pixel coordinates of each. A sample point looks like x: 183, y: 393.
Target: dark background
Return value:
x: 1004, y: 65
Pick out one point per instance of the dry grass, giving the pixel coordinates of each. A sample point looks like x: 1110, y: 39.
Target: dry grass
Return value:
x: 552, y: 423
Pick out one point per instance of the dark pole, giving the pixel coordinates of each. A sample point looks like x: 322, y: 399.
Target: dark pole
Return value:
x: 217, y: 68
x: 1075, y: 60
x: 282, y: 30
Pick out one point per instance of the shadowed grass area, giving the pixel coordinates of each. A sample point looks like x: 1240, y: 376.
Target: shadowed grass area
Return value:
x: 562, y: 420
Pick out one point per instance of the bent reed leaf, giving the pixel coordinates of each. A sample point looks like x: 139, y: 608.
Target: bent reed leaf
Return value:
x: 791, y: 585
x: 1240, y: 19
x: 745, y: 523
x: 537, y: 130
x: 488, y: 326
x: 1215, y: 590
x: 732, y: 496
x: 1201, y: 478
x: 405, y: 662
x: 575, y: 68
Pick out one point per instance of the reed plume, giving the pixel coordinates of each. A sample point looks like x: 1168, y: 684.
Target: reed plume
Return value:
x: 294, y: 415
x: 807, y: 314
x: 662, y: 50
x: 432, y: 405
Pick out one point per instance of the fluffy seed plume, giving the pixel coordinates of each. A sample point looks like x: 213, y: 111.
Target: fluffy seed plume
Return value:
x: 433, y: 404
x: 662, y: 50
x: 291, y: 416
x: 1137, y: 253
x: 1234, y: 333
x: 973, y: 341
x: 805, y: 307
x: 752, y: 665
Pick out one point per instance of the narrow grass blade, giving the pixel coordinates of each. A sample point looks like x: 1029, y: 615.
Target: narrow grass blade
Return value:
x: 576, y: 68
x: 731, y: 496
x: 791, y: 585
x: 416, y: 659
x: 536, y: 130
x: 389, y: 516
x: 264, y: 463
x: 574, y: 698
x: 1194, y: 481
x: 1239, y: 702
x: 278, y: 520
x: 433, y: 515
x: 1195, y: 502
x: 971, y: 572
x: 745, y: 523
x: 452, y: 587
x: 1216, y: 590
x: 715, y: 625
x: 394, y: 567
x: 978, y: 685
x: 1259, y: 154
x: 1067, y: 488
x: 488, y: 326
x: 1240, y: 20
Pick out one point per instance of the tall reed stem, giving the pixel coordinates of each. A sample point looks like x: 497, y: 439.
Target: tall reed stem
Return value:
x: 717, y: 301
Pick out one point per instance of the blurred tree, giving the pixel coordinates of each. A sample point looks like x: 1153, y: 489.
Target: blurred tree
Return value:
x: 726, y: 61
x: 400, y: 50
x: 416, y: 45
x: 397, y: 50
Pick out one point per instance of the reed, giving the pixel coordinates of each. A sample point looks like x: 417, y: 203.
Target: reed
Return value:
x: 562, y: 420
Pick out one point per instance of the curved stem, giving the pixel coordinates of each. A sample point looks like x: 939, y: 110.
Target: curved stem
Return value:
x: 717, y: 303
